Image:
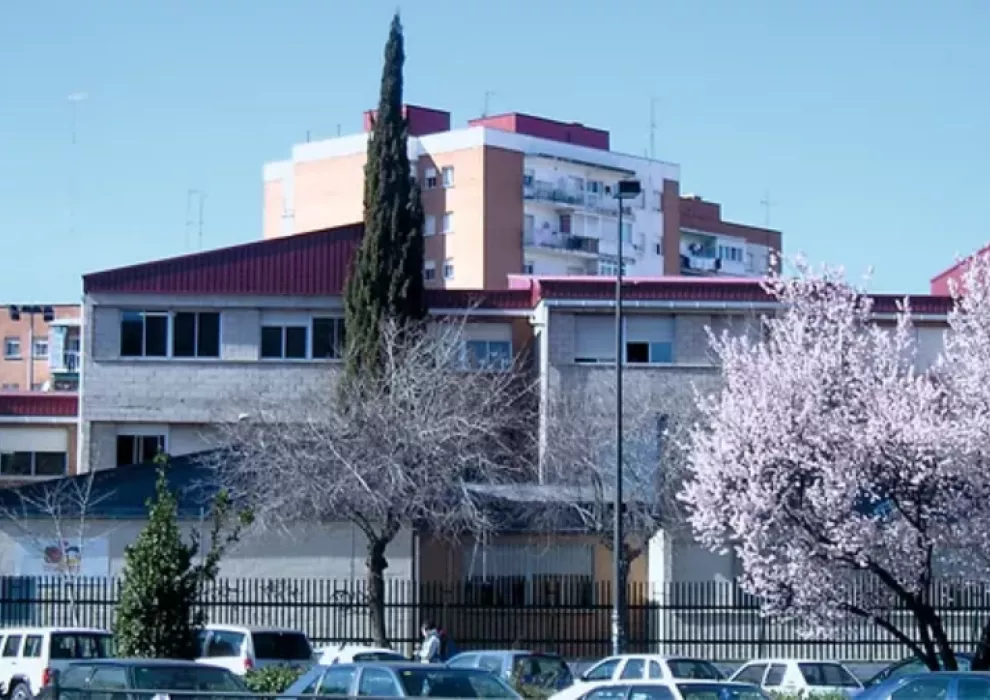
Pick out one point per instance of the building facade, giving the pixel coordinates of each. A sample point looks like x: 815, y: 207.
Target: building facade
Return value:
x: 514, y: 194
x: 177, y: 346
x: 38, y: 433
x: 39, y: 353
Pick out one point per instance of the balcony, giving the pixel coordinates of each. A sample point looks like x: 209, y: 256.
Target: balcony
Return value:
x: 64, y: 357
x: 545, y: 191
x: 699, y: 259
x: 583, y: 246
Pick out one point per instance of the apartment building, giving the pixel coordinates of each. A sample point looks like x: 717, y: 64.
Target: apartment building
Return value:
x: 940, y: 284
x: 515, y: 193
x: 40, y: 347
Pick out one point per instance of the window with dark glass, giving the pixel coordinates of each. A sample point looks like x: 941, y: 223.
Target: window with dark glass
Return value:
x: 143, y: 334
x: 49, y: 463
x: 33, y: 464
x: 15, y: 464
x: 196, y: 334
x: 138, y: 449
x: 328, y: 338
x: 284, y: 342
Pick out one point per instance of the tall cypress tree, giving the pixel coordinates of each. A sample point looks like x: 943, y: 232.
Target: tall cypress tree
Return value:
x: 386, y: 280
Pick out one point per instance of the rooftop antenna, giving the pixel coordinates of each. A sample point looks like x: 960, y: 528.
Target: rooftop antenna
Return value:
x: 488, y: 95
x: 195, y: 201
x: 307, y: 135
x: 766, y: 203
x: 74, y: 99
x: 653, y: 127
x: 338, y: 130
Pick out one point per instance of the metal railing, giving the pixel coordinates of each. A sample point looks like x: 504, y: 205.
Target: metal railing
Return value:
x: 555, y: 240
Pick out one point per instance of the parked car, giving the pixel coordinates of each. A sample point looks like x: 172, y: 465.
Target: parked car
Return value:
x: 799, y: 676
x: 87, y: 680
x: 241, y: 649
x: 537, y: 669
x: 29, y: 656
x: 355, y: 653
x: 947, y: 685
x: 398, y: 680
x: 635, y: 667
x: 912, y: 665
x: 673, y: 689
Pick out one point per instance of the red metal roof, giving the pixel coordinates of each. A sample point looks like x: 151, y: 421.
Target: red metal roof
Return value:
x: 305, y: 264
x: 39, y: 404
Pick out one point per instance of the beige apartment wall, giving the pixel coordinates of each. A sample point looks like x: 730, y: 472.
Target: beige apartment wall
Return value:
x: 274, y: 208
x: 328, y: 193
x: 14, y: 372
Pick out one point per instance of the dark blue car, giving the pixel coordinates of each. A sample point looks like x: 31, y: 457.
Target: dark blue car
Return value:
x: 911, y: 666
x: 531, y: 668
x: 947, y: 685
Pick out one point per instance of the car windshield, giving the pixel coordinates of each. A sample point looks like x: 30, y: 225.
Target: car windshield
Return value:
x: 283, y: 646
x: 379, y: 656
x: 453, y: 683
x: 694, y: 669
x: 827, y: 675
x: 191, y: 678
x: 720, y: 691
x: 537, y: 669
x: 81, y: 645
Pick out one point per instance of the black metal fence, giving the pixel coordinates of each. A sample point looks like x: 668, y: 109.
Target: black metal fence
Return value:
x: 568, y: 615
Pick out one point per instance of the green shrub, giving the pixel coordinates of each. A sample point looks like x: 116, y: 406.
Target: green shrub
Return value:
x: 271, y: 680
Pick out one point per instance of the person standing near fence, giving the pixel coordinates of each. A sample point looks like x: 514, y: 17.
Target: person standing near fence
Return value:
x: 429, y: 653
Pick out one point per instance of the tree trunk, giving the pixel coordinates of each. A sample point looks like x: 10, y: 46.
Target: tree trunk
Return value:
x: 376, y: 565
x: 934, y: 623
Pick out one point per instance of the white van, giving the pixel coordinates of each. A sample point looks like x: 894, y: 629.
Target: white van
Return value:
x: 241, y: 649
x: 29, y: 656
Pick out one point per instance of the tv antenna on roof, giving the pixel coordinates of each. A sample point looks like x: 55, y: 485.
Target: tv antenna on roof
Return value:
x: 766, y: 203
x: 488, y: 95
x: 74, y: 99
x: 653, y: 127
x: 195, y: 201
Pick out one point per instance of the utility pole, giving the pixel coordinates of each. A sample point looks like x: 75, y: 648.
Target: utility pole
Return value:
x: 195, y: 200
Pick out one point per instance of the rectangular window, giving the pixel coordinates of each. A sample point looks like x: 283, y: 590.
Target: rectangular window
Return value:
x: 40, y: 350
x: 626, y: 232
x: 639, y: 352
x: 649, y: 339
x: 33, y: 464
x: 12, y: 348
x: 429, y: 271
x: 448, y: 269
x: 448, y: 176
x: 144, y: 334
x: 657, y: 200
x: 328, y: 338
x: 528, y: 268
x: 138, y: 449
x: 565, y: 223
x: 594, y: 339
x: 430, y: 225
x: 196, y: 334
x: 448, y: 222
x: 283, y: 342
x: 487, y: 354
x: 431, y: 178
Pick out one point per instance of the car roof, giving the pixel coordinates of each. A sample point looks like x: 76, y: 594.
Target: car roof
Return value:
x: 408, y: 665
x: 659, y: 657
x: 510, y: 652
x: 53, y: 630
x: 172, y: 663
x: 793, y: 661
x: 711, y: 681
x: 252, y: 630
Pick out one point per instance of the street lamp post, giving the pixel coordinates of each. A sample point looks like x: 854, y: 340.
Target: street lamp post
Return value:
x: 30, y: 311
x: 627, y: 189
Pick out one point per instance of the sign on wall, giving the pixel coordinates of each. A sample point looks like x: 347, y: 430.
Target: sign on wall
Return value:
x: 89, y: 557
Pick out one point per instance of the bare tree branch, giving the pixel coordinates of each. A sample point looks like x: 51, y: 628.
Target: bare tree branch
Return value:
x: 400, y: 449
x: 64, y: 505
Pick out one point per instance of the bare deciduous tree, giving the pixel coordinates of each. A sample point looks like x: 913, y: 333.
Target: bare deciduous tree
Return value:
x: 56, y: 514
x: 387, y: 452
x: 579, y: 461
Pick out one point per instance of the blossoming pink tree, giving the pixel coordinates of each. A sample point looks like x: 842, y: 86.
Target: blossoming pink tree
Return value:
x: 842, y: 476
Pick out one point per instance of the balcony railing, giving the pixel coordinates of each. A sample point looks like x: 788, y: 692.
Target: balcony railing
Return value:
x: 556, y: 240
x: 548, y: 192
x: 70, y: 362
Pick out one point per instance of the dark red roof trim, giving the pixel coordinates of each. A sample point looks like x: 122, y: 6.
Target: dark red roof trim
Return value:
x: 306, y: 264
x: 37, y: 404
x: 479, y: 299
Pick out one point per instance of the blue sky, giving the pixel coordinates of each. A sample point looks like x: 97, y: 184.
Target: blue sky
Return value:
x: 867, y: 121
